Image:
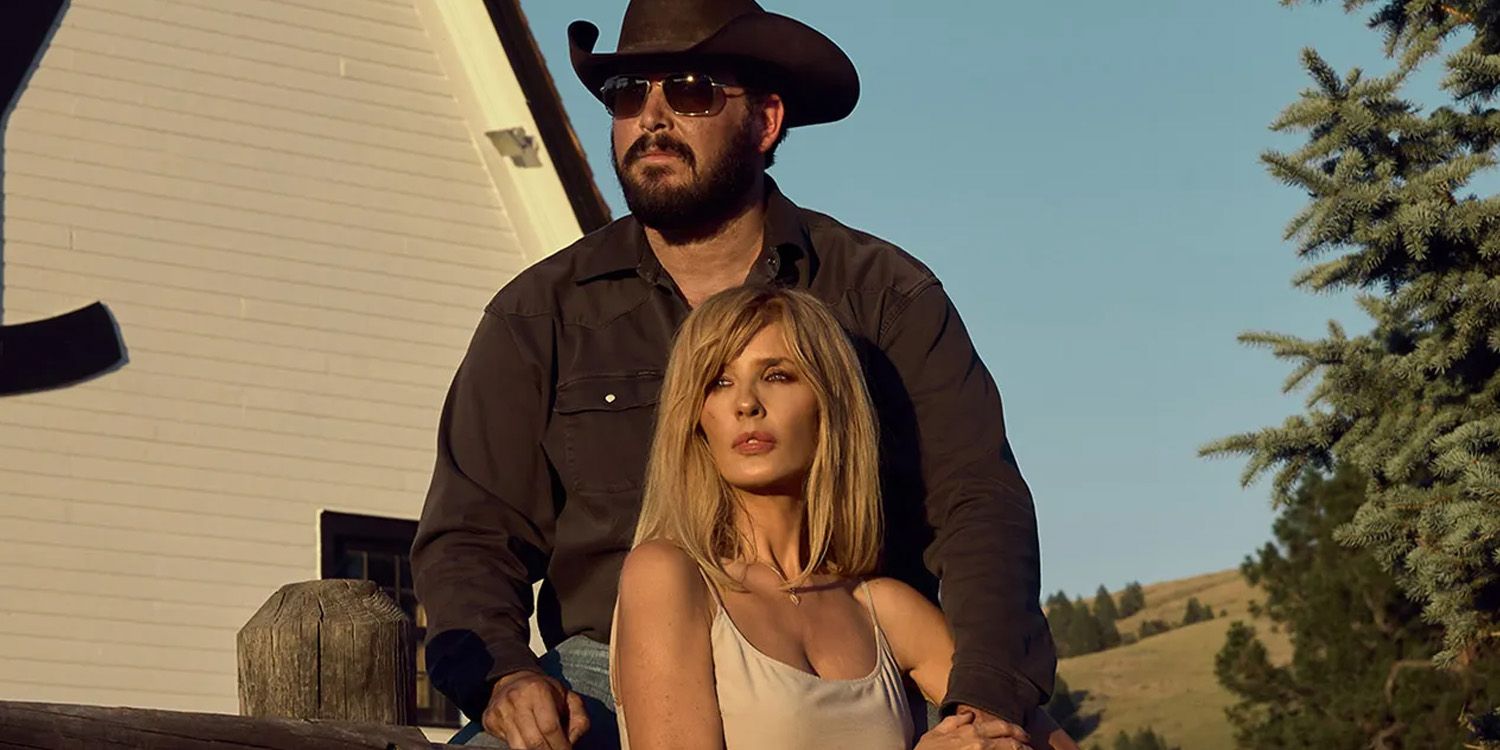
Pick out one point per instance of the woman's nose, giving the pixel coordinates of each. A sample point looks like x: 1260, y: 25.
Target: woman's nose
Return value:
x: 748, y: 405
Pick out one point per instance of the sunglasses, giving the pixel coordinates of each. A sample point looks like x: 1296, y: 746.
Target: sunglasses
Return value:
x: 688, y: 94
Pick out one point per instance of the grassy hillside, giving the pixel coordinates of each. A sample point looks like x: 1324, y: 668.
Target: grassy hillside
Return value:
x: 1167, y: 681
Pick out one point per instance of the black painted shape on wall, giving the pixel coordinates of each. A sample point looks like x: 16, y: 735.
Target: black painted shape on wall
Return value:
x: 59, y: 351
x: 74, y: 346
x: 24, y: 25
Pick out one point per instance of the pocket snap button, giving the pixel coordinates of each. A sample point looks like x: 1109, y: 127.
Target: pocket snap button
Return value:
x: 609, y: 398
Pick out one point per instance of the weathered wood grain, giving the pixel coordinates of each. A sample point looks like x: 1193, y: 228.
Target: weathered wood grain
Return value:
x: 335, y: 649
x: 37, y: 726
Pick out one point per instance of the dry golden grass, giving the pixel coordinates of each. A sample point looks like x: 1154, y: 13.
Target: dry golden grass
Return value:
x: 1167, y: 681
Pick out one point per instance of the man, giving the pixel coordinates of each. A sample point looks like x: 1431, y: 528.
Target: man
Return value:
x: 544, y: 435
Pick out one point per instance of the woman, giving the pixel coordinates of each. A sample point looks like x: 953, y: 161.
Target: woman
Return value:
x: 746, y: 616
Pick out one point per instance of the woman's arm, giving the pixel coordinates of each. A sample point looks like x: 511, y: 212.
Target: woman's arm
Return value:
x: 918, y: 634
x: 663, y: 670
x: 923, y: 647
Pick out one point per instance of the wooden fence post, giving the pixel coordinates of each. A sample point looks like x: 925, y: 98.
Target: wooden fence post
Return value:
x: 334, y: 649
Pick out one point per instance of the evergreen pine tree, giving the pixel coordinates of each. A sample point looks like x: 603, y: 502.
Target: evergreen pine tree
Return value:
x: 1083, y: 635
x: 1104, y: 604
x: 1059, y: 618
x: 1196, y: 612
x: 1133, y: 599
x: 1361, y: 674
x: 1106, y: 614
x: 1410, y: 405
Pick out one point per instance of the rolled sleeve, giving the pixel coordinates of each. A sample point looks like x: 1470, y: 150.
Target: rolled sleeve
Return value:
x: 984, y: 548
x: 486, y: 527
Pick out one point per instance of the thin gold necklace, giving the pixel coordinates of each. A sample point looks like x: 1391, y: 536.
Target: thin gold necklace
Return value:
x: 791, y: 591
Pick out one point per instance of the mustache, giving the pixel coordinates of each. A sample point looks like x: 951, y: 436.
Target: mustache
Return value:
x: 660, y: 142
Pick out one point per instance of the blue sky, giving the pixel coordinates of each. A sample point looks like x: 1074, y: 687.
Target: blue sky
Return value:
x: 1084, y: 178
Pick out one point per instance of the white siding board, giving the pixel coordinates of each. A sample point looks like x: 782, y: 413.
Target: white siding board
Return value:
x: 105, y: 113
x: 194, y: 277
x: 194, y: 523
x: 81, y: 675
x: 194, y: 580
x: 392, y: 13
x: 232, y: 507
x: 411, y: 36
x: 167, y: 428
x: 194, y: 18
x: 36, y: 176
x: 107, y: 695
x: 238, y: 491
x: 78, y: 50
x: 219, y: 414
x: 192, y: 556
x: 461, y: 277
x: 292, y: 211
x: 248, y: 461
x: 320, y: 114
x: 39, y: 570
x: 82, y: 17
x: 375, y: 347
x: 106, y: 653
x: 49, y: 149
x: 125, y: 608
x: 91, y: 137
x: 22, y: 506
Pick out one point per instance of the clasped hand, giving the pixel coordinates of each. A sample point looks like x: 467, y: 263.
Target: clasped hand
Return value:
x: 529, y: 709
x: 972, y: 729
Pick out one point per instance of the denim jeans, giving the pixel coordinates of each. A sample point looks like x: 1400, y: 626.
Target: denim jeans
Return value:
x: 582, y: 665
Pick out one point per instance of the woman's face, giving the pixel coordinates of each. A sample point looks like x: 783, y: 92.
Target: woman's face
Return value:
x: 761, y: 418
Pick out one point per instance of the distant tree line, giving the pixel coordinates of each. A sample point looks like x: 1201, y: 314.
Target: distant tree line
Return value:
x: 1079, y: 629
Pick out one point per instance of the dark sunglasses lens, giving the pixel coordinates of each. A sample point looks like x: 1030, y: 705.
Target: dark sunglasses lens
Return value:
x: 690, y: 94
x: 625, y: 97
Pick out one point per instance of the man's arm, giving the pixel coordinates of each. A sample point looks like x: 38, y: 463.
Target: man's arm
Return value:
x: 985, y: 549
x: 486, y: 528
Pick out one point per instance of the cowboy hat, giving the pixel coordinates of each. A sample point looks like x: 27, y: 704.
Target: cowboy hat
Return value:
x: 813, y: 76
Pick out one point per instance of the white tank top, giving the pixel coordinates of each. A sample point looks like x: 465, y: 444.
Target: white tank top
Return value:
x: 766, y: 703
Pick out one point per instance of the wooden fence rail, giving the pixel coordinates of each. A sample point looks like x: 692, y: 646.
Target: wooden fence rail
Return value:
x: 49, y: 726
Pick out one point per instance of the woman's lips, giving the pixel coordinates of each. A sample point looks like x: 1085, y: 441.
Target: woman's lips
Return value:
x: 754, y: 443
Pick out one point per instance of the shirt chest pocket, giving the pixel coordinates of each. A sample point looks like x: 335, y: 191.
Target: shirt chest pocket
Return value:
x: 606, y: 423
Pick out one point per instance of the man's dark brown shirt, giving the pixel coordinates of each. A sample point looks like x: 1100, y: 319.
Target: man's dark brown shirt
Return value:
x: 543, y: 441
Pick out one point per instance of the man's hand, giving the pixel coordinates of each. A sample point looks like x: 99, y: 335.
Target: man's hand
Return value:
x: 994, y: 732
x: 527, y: 710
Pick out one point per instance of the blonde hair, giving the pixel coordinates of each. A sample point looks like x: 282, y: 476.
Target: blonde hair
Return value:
x: 687, y: 501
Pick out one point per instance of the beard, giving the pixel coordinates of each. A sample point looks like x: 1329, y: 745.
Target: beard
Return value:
x: 701, y: 206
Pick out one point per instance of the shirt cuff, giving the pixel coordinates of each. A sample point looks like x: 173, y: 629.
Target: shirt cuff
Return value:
x: 462, y: 668
x: 1003, y: 693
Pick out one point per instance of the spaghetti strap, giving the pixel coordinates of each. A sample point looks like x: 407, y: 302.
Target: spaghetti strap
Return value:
x: 712, y: 589
x: 864, y: 585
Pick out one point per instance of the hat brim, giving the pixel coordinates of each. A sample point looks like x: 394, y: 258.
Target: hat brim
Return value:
x: 814, y: 77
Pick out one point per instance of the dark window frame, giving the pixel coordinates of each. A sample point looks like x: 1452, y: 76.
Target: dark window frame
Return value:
x: 342, y: 534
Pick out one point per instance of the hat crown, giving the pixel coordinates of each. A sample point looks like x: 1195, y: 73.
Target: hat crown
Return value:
x: 666, y: 25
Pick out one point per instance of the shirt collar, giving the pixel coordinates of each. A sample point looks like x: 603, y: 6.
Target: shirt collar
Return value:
x: 787, y: 260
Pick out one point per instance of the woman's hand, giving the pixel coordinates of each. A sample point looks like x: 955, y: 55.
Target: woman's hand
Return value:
x: 958, y: 732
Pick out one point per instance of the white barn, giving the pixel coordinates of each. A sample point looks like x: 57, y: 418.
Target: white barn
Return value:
x: 295, y: 211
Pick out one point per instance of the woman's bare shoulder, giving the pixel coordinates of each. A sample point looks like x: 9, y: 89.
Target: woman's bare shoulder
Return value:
x: 897, y: 598
x: 660, y: 571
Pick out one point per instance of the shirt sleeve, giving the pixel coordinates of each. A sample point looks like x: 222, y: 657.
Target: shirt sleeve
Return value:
x: 984, y: 547
x: 486, y: 528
